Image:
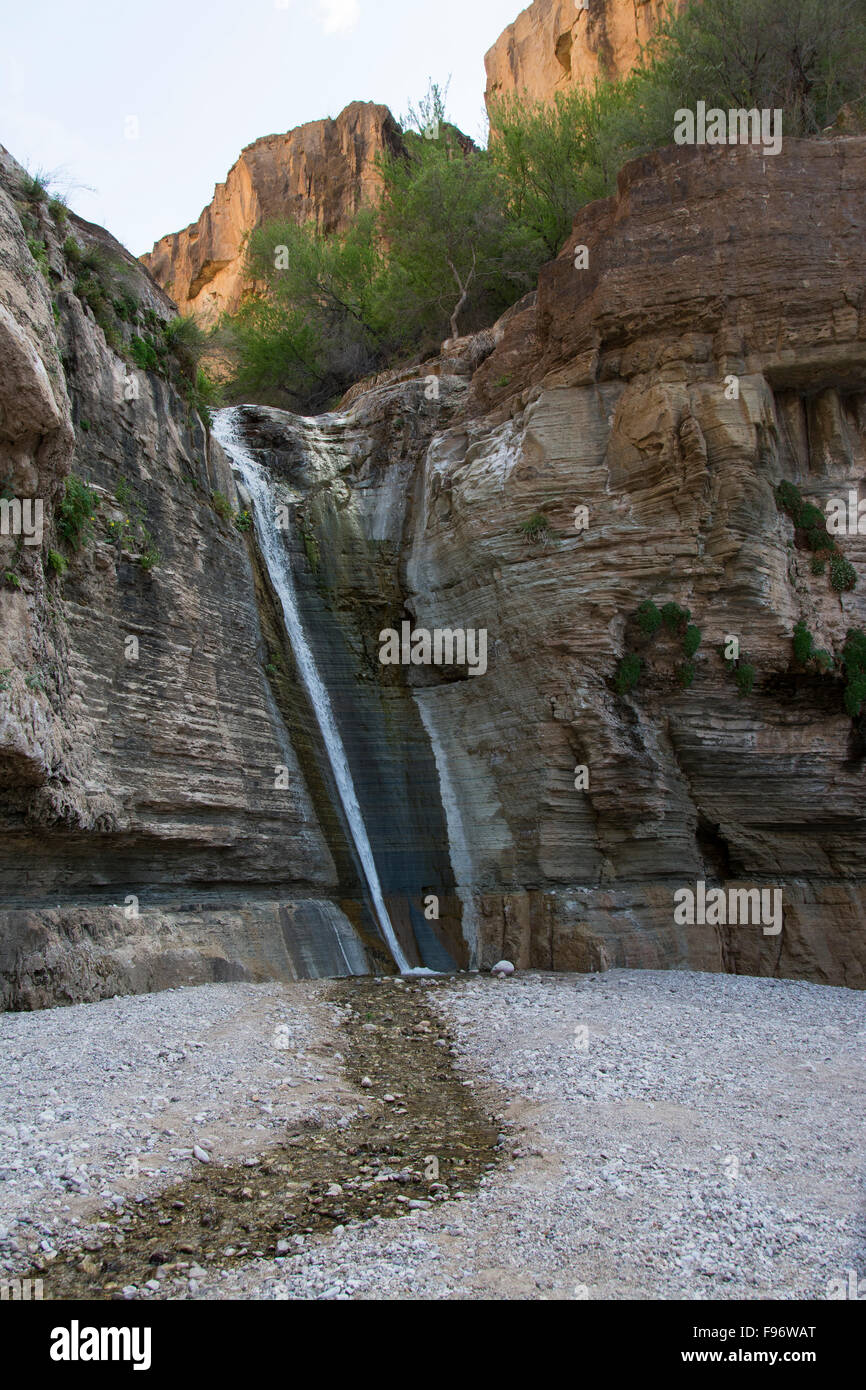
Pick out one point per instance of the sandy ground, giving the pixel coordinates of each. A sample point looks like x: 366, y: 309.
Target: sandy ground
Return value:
x: 663, y: 1135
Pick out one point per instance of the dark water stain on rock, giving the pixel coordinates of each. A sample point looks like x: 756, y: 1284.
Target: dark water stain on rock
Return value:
x: 432, y: 1140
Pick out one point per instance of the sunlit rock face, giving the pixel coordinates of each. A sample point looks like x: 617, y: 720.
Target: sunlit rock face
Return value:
x: 321, y: 173
x: 555, y: 44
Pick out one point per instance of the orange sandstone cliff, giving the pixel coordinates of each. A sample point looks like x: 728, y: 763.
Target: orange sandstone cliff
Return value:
x: 321, y: 172
x: 556, y: 43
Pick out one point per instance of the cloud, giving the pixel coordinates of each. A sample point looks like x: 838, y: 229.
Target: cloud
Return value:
x: 339, y: 16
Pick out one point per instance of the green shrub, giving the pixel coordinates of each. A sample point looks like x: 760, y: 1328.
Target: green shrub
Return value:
x: 745, y: 678
x: 459, y: 233
x: 204, y: 395
x: 819, y: 563
x: 125, y: 495
x: 75, y: 513
x: 807, y: 57
x: 843, y: 576
x: 34, y: 187
x: 649, y: 619
x: 59, y: 211
x: 149, y: 558
x: 144, y: 354
x: 35, y: 681
x: 824, y: 661
x: 243, y: 520
x: 675, y: 618
x: 854, y: 652
x: 72, y: 251
x: 12, y: 579
x: 39, y: 252
x: 855, y: 695
x: 537, y: 528
x: 222, y: 506
x: 628, y: 673
x: 686, y: 674
x: 126, y: 307
x: 5, y: 673
x: 691, y: 640
x: 803, y: 643
x: 185, y: 338
x: 812, y: 518
x: 57, y: 563
x: 790, y: 499
x: 556, y: 156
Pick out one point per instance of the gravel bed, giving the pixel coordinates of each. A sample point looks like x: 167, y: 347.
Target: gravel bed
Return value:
x: 103, y: 1103
x: 665, y: 1135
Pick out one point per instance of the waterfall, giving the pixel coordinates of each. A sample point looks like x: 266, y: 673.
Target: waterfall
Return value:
x: 278, y: 560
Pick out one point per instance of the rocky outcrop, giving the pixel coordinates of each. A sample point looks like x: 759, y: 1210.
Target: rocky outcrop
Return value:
x: 322, y: 172
x: 556, y: 43
x: 143, y: 839
x: 715, y: 345
x: 708, y: 342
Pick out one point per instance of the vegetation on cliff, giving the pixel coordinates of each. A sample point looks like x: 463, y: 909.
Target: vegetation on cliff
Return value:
x: 460, y: 233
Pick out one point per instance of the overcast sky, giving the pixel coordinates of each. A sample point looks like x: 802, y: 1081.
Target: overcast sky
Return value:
x: 199, y: 79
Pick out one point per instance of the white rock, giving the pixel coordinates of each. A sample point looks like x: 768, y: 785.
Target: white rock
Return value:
x: 502, y: 969
x: 201, y: 1154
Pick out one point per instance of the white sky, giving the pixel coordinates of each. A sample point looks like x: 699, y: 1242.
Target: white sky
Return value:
x: 203, y: 78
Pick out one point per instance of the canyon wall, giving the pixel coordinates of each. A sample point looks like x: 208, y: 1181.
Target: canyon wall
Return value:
x: 322, y: 172
x: 555, y: 43
x: 143, y: 841
x: 714, y: 346
x: 707, y: 342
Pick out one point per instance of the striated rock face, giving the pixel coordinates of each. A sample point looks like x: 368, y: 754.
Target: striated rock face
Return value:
x: 554, y: 43
x: 620, y: 396
x: 322, y: 172
x: 715, y: 346
x: 142, y: 839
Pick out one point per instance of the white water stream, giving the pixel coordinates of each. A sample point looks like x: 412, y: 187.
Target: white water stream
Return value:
x: 278, y: 560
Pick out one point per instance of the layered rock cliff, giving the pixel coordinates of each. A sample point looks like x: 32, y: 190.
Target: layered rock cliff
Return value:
x: 556, y: 43
x: 711, y: 344
x: 143, y: 839
x: 322, y: 172
x: 715, y: 346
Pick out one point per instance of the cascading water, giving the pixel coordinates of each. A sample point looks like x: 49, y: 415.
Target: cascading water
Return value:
x: 278, y: 561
